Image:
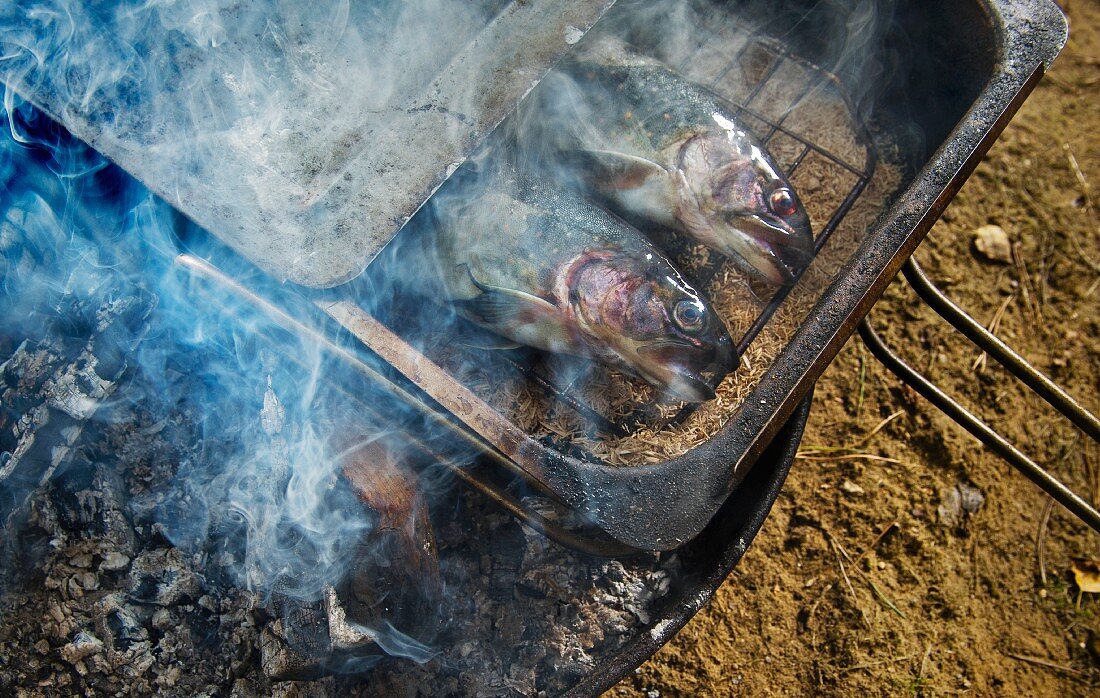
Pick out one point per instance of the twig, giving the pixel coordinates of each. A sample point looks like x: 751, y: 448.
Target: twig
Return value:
x: 1043, y: 662
x: 1041, y: 541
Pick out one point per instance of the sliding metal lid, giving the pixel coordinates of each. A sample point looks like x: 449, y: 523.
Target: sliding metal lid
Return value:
x: 303, y: 134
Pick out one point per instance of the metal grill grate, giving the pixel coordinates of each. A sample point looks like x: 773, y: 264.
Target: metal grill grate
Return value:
x: 770, y: 61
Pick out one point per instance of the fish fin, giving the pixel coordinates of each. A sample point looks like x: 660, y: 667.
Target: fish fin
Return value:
x: 495, y: 343
x: 611, y: 170
x: 506, y: 306
x: 496, y: 305
x: 475, y: 338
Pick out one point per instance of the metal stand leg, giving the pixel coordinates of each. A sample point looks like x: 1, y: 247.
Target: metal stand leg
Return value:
x: 1017, y: 366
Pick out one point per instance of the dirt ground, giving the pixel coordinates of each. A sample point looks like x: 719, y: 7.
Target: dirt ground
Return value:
x: 869, y: 578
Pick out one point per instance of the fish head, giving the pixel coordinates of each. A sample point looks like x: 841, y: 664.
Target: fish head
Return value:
x: 656, y: 325
x: 738, y: 202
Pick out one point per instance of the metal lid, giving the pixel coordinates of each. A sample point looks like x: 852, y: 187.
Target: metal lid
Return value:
x: 304, y: 135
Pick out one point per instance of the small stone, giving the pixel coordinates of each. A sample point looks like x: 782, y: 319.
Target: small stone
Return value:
x: 959, y: 503
x: 851, y: 487
x: 42, y: 646
x: 991, y: 241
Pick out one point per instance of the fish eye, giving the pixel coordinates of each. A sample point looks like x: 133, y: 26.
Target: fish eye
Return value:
x: 781, y: 202
x: 690, y: 316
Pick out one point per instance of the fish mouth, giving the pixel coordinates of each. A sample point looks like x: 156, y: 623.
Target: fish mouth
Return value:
x: 689, y: 387
x: 696, y: 383
x: 772, y: 248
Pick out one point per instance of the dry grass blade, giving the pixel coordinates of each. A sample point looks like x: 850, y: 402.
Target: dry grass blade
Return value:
x: 847, y: 581
x: 884, y: 599
x: 1086, y: 188
x: 994, y: 324
x: 1039, y: 661
x: 818, y: 450
x: 874, y: 544
x: 871, y: 665
x: 862, y: 379
x: 1041, y: 541
x: 1027, y: 288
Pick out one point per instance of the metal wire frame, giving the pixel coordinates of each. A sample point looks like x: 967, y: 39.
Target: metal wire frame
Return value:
x: 1014, y: 364
x: 567, y: 394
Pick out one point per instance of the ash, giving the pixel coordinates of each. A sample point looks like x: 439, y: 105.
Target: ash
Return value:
x: 96, y: 599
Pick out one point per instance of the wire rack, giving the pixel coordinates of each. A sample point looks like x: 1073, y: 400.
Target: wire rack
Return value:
x: 768, y: 62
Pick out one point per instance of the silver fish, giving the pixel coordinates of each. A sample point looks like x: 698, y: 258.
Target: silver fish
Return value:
x: 544, y: 267
x: 661, y: 150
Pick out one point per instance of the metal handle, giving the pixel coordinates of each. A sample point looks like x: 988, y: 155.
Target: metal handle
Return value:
x: 1014, y: 364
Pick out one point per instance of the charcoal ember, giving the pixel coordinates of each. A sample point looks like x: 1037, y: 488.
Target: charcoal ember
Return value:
x: 36, y: 439
x: 119, y: 626
x: 295, y: 647
x: 89, y: 501
x: 162, y: 577
x: 114, y: 561
x: 51, y: 387
x: 508, y: 546
x: 82, y: 646
x: 346, y: 635
x: 324, y: 688
x: 386, y: 586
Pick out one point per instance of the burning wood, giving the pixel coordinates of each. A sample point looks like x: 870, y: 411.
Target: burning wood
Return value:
x: 395, y: 579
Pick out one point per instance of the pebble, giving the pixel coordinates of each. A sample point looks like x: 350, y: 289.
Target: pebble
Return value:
x: 991, y: 241
x: 851, y: 487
